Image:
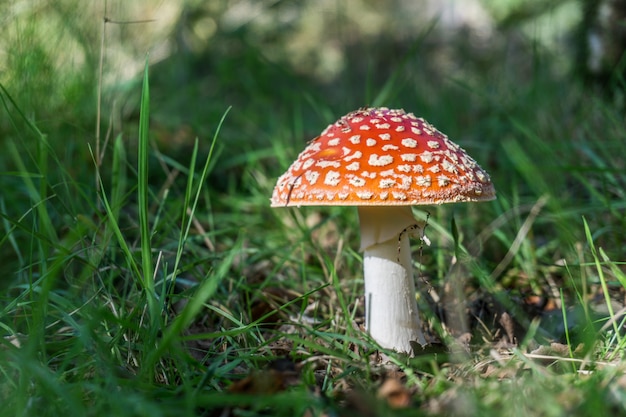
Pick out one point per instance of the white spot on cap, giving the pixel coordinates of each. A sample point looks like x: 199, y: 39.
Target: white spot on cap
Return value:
x: 380, y: 161
x: 398, y: 195
x: 386, y: 183
x: 316, y: 146
x: 409, y: 143
x: 404, y: 168
x: 357, y: 181
x: 384, y: 195
x: 311, y: 176
x: 448, y: 166
x: 307, y: 164
x: 365, y: 127
x: 343, y: 196
x: 442, y: 180
x: 364, y: 195
x: 356, y: 139
x: 451, y: 144
x: 333, y: 142
x: 390, y: 147
x: 400, y: 128
x: 353, y: 166
x: 383, y: 126
x: 426, y: 157
x: 370, y: 142
x: 385, y: 136
x: 406, y: 182
x: 326, y: 164
x: 368, y: 174
x: 423, y: 180
x: 356, y: 155
x: 433, y: 144
x: 332, y: 178
x: 388, y: 173
x: 408, y: 157
x: 416, y: 130
x: 396, y: 119
x: 434, y: 169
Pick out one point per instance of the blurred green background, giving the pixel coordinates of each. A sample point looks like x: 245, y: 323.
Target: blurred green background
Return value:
x: 533, y: 90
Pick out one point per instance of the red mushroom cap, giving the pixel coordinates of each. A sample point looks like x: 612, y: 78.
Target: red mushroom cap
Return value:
x: 378, y: 156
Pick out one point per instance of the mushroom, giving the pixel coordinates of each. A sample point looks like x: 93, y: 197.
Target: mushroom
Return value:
x: 384, y: 161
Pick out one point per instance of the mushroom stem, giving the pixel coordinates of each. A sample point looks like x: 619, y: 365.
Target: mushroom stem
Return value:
x: 391, y: 313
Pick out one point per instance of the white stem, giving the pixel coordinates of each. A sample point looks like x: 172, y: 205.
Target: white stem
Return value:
x: 391, y: 313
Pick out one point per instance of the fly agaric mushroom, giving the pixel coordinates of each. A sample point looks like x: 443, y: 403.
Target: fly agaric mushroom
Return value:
x: 384, y: 161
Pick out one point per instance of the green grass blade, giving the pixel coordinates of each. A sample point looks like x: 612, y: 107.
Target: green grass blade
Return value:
x: 121, y: 241
x: 195, y: 304
x: 603, y: 283
x: 190, y: 209
x: 147, y: 271
x: 119, y: 178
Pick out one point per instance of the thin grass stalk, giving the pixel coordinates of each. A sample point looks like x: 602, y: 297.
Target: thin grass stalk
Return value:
x: 603, y: 283
x: 195, y: 304
x: 190, y: 210
x: 147, y: 268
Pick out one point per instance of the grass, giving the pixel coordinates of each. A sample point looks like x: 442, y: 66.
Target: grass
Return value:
x: 148, y: 275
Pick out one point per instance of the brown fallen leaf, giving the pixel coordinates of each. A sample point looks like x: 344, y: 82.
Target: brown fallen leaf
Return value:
x: 506, y: 321
x: 280, y: 375
x: 557, y: 350
x: 395, y: 393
